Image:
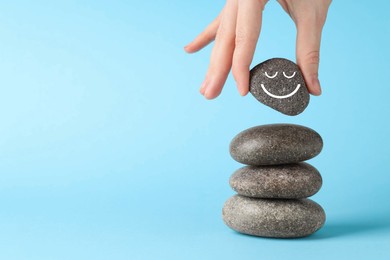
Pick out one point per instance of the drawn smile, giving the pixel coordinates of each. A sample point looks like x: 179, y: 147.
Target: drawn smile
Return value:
x: 280, y: 97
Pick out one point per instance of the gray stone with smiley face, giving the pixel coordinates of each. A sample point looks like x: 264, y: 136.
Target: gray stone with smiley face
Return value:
x: 279, y: 84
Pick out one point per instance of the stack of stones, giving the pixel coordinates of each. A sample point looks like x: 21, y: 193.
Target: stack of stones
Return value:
x: 273, y: 188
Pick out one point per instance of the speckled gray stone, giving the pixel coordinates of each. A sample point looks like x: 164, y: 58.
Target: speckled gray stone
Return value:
x: 275, y: 144
x: 288, y: 181
x: 279, y: 84
x: 272, y: 217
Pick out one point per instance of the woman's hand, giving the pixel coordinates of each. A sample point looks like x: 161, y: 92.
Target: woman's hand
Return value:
x: 236, y: 31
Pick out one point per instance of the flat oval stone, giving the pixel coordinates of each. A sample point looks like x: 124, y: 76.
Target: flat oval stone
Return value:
x: 275, y: 144
x: 288, y: 181
x: 273, y: 218
x: 279, y: 84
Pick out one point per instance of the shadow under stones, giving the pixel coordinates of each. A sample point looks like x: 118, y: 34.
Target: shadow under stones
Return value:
x: 344, y: 228
x: 333, y: 229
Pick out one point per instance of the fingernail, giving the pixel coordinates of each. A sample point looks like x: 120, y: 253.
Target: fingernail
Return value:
x: 203, y: 87
x: 242, y: 91
x: 187, y: 48
x: 206, y: 92
x: 318, y: 86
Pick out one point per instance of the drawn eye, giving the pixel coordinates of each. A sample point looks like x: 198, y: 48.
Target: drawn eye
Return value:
x: 271, y: 77
x: 289, y: 77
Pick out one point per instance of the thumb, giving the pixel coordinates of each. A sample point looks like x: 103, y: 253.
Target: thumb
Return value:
x: 308, y: 53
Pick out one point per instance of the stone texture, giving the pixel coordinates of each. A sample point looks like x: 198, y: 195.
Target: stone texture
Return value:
x: 289, y: 181
x: 274, y: 82
x: 275, y: 144
x: 273, y: 218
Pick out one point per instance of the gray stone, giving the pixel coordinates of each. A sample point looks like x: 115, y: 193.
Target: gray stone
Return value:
x: 289, y: 181
x: 275, y: 144
x: 272, y: 217
x: 279, y: 84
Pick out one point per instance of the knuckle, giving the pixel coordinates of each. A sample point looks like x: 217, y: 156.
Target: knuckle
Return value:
x: 240, y: 38
x: 220, y: 32
x: 225, y: 36
x: 312, y: 57
x: 246, y: 36
x: 243, y: 38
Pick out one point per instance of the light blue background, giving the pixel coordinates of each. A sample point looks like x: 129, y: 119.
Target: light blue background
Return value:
x: 107, y: 151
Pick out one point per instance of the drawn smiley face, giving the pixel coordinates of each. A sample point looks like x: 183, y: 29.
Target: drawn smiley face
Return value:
x: 279, y: 84
x: 280, y: 96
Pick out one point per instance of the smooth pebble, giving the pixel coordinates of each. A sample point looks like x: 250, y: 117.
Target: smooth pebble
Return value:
x: 289, y: 181
x: 273, y: 218
x: 275, y: 144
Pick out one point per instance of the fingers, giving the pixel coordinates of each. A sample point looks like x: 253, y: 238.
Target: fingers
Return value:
x: 309, y: 27
x: 205, y: 37
x: 247, y: 33
x: 308, y: 54
x: 222, y: 53
x: 309, y: 17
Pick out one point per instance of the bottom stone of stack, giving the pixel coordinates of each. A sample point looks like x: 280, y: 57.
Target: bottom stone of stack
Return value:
x: 278, y: 218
